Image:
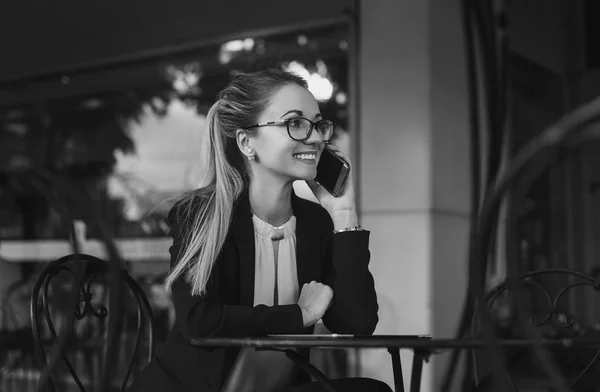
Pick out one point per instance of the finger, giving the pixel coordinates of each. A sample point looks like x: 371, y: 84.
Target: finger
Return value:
x: 339, y: 154
x: 312, y: 184
x: 342, y: 155
x: 316, y: 189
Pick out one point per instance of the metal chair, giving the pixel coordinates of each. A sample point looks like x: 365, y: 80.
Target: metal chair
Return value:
x: 556, y: 310
x: 84, y: 354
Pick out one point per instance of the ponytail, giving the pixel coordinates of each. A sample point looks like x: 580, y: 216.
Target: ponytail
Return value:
x: 221, y: 185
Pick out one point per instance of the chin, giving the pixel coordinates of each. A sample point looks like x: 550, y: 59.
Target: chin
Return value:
x: 309, y: 175
x: 305, y: 175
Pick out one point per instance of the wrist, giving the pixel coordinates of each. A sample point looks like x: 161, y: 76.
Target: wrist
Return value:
x: 344, y: 218
x: 307, y: 319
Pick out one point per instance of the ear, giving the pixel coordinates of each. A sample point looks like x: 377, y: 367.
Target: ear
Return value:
x: 244, y: 142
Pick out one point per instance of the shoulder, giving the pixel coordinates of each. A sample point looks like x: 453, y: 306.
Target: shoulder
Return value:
x: 315, y: 212
x: 309, y: 206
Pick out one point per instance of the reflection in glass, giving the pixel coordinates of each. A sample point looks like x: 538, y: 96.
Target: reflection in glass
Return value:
x: 129, y: 134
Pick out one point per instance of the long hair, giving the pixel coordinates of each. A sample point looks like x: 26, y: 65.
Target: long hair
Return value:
x: 205, y: 214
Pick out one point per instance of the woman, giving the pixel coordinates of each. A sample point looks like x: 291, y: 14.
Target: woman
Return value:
x: 250, y: 258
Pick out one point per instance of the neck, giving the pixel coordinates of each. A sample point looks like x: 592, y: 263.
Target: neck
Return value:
x: 271, y: 202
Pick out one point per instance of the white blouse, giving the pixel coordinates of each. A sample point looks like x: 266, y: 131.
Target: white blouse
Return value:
x: 275, y: 283
x: 275, y: 273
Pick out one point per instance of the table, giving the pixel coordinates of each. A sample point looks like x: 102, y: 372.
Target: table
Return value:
x: 423, y: 347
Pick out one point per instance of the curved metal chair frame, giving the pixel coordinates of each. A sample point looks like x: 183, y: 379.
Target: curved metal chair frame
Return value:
x: 552, y: 314
x: 92, y: 268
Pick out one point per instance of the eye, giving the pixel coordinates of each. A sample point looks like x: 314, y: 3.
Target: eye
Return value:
x: 295, y: 122
x: 324, y: 125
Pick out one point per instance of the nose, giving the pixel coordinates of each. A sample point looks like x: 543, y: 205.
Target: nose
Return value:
x: 315, y: 137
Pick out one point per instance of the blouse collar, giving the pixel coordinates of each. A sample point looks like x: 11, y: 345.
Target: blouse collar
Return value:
x: 265, y: 229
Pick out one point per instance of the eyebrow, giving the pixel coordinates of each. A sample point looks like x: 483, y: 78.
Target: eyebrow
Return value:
x: 300, y: 113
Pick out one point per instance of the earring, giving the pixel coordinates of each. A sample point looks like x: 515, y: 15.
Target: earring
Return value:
x: 250, y: 157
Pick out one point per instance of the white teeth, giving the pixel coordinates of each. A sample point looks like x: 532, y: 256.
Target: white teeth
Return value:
x: 306, y: 156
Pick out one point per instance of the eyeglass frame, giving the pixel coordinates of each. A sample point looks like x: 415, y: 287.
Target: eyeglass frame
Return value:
x: 286, y: 122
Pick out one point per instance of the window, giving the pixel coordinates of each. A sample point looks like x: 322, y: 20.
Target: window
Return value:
x: 128, y: 133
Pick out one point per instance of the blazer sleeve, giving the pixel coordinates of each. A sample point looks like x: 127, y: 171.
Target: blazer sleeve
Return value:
x: 210, y: 316
x: 354, y: 309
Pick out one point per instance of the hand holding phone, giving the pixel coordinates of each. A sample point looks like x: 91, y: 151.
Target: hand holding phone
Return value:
x: 334, y: 189
x: 332, y: 172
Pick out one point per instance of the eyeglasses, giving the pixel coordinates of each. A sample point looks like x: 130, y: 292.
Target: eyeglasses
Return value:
x: 300, y: 128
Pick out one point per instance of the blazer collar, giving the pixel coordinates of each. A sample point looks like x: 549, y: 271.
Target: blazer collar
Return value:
x: 308, y: 244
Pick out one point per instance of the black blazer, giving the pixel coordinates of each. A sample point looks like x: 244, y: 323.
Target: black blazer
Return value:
x: 340, y: 261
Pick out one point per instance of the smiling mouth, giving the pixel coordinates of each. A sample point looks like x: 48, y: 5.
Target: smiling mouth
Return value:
x: 310, y: 157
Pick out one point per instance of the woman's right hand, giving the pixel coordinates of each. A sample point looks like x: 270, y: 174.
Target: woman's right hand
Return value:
x: 315, y: 299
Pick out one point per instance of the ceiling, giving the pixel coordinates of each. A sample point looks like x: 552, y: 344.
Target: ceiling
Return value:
x: 43, y: 38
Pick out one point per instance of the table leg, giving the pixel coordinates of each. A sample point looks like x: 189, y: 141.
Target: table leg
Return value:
x: 397, y: 368
x: 305, y: 365
x: 417, y: 370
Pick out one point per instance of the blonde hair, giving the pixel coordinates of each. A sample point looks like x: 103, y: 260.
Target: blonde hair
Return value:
x: 206, y: 212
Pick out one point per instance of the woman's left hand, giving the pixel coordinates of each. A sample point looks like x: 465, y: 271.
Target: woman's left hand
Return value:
x: 342, y: 205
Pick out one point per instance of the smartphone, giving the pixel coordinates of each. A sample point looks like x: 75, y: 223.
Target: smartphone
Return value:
x: 332, y: 172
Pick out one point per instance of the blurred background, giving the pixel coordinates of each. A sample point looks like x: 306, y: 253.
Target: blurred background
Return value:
x: 113, y: 96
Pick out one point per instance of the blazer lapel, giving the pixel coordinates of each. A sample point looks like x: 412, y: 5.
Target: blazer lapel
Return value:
x: 243, y: 234
x: 308, y: 243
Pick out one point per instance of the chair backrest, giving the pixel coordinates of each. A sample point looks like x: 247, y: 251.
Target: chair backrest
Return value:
x: 85, y: 353
x: 554, y: 301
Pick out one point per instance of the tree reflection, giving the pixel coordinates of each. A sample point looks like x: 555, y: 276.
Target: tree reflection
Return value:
x: 80, y: 135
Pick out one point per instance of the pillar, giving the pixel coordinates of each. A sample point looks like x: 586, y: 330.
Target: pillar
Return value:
x: 414, y: 170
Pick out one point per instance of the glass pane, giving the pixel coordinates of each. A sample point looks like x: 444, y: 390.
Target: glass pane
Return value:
x: 129, y: 133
